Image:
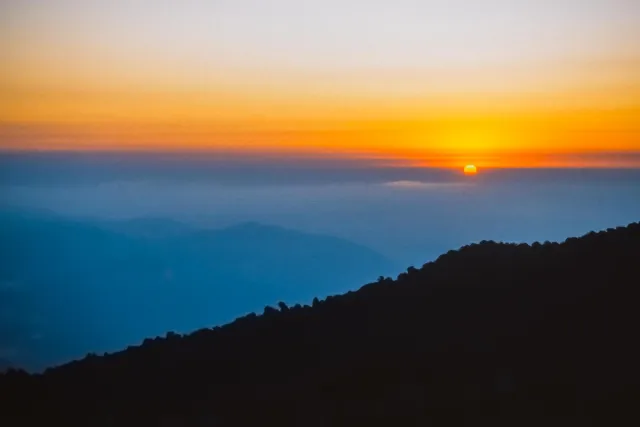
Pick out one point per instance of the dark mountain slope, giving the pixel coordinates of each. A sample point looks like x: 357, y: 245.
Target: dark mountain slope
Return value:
x: 509, y: 334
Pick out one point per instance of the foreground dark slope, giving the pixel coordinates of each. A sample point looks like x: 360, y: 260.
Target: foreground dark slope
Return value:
x: 516, y: 333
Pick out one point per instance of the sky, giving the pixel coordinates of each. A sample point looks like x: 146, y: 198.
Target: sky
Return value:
x: 431, y: 83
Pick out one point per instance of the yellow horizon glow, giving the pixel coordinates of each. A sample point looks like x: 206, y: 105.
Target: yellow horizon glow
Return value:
x: 71, y: 81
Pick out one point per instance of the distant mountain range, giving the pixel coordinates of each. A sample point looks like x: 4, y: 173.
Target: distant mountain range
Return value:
x: 69, y: 287
x: 496, y: 334
x: 148, y: 227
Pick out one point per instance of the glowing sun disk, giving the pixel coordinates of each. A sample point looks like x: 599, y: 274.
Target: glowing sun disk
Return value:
x: 470, y: 170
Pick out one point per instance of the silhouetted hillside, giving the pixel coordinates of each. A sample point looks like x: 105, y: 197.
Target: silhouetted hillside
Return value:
x: 68, y: 287
x: 502, y: 333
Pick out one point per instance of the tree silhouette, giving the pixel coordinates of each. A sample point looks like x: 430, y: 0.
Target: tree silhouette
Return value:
x: 268, y: 310
x: 283, y: 307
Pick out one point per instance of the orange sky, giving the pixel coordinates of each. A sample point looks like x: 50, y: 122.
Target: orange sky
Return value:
x: 86, y: 75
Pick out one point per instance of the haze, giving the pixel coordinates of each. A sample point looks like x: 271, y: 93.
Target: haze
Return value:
x: 172, y: 165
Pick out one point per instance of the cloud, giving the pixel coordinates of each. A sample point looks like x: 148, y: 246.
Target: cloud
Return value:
x: 424, y: 185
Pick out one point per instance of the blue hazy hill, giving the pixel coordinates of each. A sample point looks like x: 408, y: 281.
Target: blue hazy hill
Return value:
x: 70, y: 287
x: 148, y: 227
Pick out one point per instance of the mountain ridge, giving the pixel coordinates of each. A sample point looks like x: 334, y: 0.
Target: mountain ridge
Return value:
x: 511, y: 333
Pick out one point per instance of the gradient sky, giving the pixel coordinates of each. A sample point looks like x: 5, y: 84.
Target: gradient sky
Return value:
x: 427, y: 82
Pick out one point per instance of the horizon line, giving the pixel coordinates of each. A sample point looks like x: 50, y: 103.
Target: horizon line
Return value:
x: 535, y: 161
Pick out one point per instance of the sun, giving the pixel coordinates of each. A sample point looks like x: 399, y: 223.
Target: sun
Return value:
x: 470, y: 170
